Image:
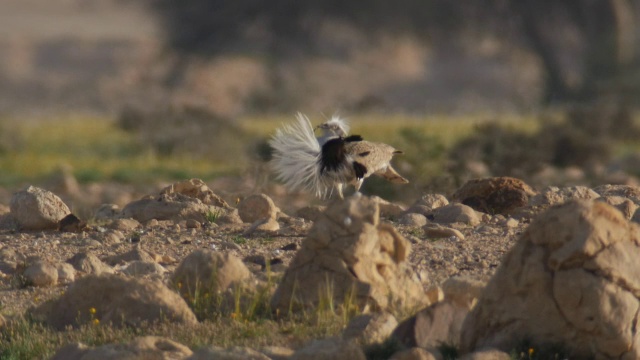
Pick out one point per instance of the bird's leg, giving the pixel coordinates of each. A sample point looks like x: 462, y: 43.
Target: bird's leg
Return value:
x: 339, y: 189
x: 358, y: 184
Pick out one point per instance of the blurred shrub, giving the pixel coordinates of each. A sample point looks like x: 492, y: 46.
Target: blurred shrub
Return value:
x: 585, y: 136
x: 189, y: 131
x: 504, y: 151
x: 11, y: 138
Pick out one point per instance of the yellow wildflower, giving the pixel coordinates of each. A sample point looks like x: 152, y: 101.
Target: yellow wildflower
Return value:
x: 92, y: 311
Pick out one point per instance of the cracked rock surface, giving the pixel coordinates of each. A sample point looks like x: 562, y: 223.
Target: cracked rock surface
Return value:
x: 573, y: 278
x: 350, y: 248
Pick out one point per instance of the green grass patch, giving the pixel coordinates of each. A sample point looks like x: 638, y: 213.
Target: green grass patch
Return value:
x: 95, y: 149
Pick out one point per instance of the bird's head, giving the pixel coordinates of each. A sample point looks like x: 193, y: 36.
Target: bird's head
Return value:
x: 336, y: 126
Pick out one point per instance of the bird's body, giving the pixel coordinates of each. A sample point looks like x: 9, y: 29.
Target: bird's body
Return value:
x: 332, y: 160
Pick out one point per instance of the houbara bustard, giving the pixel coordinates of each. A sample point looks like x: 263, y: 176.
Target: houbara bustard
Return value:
x: 331, y: 161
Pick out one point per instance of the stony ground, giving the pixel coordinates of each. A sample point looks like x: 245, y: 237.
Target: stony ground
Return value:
x: 434, y: 259
x: 345, y: 240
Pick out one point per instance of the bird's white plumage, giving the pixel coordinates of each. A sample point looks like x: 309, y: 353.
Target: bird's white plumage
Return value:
x: 296, y: 153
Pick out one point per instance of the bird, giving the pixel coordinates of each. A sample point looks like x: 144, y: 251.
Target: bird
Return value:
x: 328, y: 162
x: 334, y: 127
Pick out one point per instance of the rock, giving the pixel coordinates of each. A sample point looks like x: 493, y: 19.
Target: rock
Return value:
x: 7, y: 222
x: 528, y: 213
x: 329, y: 349
x: 71, y: 223
x: 37, y: 209
x: 193, y: 224
x: 414, y: 353
x: 555, y: 196
x: 626, y: 191
x: 89, y: 264
x: 141, y: 348
x: 204, y: 271
x: 116, y: 300
x: 266, y: 224
x: 420, y: 209
x: 572, y: 279
x: 107, y: 212
x: 257, y: 207
x: 311, y: 213
x: 262, y: 261
x: 626, y: 206
x: 124, y: 225
x: 439, y: 231
x: 497, y: 195
x: 197, y: 189
x: 41, y: 273
x: 74, y: 351
x: 440, y: 323
x: 11, y: 261
x: 431, y: 201
x: 66, y: 273
x: 388, y: 209
x: 277, y: 352
x: 143, y: 268
x: 413, y: 219
x: 463, y: 291
x: 435, y: 294
x: 348, y: 250
x: 489, y: 354
x: 230, y: 216
x: 135, y: 254
x: 635, y: 218
x: 370, y: 328
x: 510, y: 223
x: 453, y: 213
x: 111, y: 237
x: 171, y: 206
x: 234, y: 353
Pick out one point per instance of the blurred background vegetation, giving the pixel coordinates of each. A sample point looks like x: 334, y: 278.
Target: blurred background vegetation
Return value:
x: 149, y: 91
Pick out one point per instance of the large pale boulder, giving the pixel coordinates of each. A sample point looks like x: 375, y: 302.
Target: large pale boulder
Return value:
x: 117, y: 300
x: 142, y: 348
x: 349, y: 254
x: 573, y: 278
x: 37, y: 209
